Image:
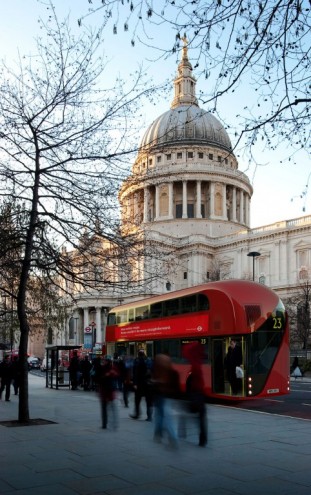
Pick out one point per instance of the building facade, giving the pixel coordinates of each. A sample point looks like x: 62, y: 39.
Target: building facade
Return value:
x: 186, y: 196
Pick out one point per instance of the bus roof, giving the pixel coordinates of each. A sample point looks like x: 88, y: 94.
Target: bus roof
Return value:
x: 244, y: 288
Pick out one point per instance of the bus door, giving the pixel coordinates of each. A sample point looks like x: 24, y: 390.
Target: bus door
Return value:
x: 235, y: 386
x: 221, y: 380
x: 217, y: 361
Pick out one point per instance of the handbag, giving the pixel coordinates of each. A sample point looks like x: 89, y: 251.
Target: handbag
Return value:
x: 239, y: 373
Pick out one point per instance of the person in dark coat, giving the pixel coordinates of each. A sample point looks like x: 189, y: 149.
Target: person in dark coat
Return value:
x: 108, y: 375
x: 6, y: 377
x: 74, y: 368
x: 232, y: 360
x: 142, y: 385
x: 85, y: 368
x: 16, y: 373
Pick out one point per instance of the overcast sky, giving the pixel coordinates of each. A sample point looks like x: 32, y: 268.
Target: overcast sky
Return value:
x: 278, y: 189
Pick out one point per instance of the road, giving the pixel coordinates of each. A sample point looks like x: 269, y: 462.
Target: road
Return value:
x: 297, y: 404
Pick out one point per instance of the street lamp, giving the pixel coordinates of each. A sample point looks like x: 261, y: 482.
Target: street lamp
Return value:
x: 254, y: 255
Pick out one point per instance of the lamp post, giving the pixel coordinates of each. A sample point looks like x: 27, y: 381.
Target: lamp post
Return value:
x: 254, y: 255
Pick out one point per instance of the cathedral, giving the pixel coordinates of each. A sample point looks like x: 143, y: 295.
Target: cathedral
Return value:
x: 189, y: 200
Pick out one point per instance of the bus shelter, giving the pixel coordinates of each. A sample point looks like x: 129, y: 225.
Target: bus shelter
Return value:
x: 57, y: 365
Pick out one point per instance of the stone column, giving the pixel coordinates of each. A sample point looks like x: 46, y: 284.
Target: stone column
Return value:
x: 199, y: 200
x: 98, y: 326
x: 234, y: 204
x: 241, y: 206
x: 170, y: 200
x: 184, y: 199
x: 86, y: 318
x: 146, y: 204
x: 135, y: 208
x: 212, y: 199
x: 224, y: 202
x: 247, y: 210
x: 157, y: 202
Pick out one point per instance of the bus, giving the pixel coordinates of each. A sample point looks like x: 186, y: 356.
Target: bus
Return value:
x: 212, y: 314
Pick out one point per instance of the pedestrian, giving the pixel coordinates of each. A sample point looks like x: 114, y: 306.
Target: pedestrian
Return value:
x: 85, y: 368
x: 16, y: 374
x: 142, y: 384
x: 296, y: 371
x: 126, y: 376
x: 74, y: 369
x: 232, y: 360
x: 195, y: 394
x: 107, y: 380
x: 6, y: 377
x: 166, y: 387
x: 95, y: 372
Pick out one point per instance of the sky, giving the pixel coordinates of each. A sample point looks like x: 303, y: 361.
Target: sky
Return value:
x: 280, y: 190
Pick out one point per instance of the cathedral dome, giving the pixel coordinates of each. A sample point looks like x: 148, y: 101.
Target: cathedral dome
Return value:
x: 186, y: 124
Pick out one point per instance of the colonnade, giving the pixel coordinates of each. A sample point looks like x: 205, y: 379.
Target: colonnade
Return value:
x: 170, y: 200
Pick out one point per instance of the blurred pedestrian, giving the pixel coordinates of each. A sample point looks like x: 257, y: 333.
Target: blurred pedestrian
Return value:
x: 107, y: 380
x: 195, y: 395
x: 16, y: 374
x: 126, y: 376
x: 166, y: 388
x: 142, y: 384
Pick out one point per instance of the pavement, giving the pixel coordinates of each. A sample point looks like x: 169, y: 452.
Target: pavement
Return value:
x: 247, y: 453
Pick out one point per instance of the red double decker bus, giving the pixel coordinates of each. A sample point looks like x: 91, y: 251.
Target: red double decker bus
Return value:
x: 212, y: 314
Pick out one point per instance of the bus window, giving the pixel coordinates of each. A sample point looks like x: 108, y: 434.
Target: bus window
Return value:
x: 142, y: 313
x: 188, y: 304
x: 156, y: 310
x: 111, y: 319
x: 122, y: 316
x: 131, y: 314
x: 171, y: 307
x: 203, y: 303
x: 171, y: 347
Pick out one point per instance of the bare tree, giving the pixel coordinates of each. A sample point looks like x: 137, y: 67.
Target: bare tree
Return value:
x: 261, y: 45
x: 10, y: 251
x: 64, y: 147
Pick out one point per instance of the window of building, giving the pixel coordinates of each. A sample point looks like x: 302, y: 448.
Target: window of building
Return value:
x: 262, y: 279
x: 179, y: 155
x: 226, y: 161
x: 211, y: 156
x: 190, y: 210
x: 179, y: 210
x: 202, y: 210
x: 200, y: 155
x: 144, y: 165
x: 169, y: 156
x: 185, y: 275
x: 150, y: 161
x: 219, y: 158
x: 159, y: 158
x: 190, y: 154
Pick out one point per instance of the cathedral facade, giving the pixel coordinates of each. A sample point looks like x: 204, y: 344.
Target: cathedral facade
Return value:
x: 187, y: 198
